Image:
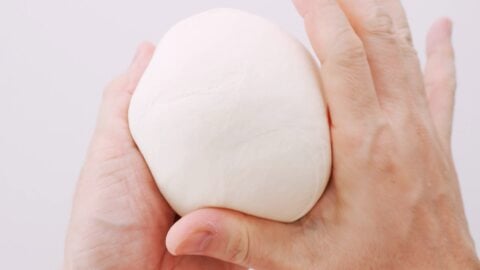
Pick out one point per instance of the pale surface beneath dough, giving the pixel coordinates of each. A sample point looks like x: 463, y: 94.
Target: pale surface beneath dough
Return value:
x: 230, y: 114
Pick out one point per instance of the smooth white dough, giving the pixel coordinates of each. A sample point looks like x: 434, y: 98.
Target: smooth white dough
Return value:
x: 230, y: 114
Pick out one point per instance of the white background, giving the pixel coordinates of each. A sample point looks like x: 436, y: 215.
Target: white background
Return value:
x: 55, y: 58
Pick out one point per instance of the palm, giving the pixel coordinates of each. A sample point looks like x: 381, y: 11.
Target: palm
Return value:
x: 130, y: 219
x: 120, y: 219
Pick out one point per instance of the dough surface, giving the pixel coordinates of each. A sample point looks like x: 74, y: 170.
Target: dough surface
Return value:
x: 230, y: 114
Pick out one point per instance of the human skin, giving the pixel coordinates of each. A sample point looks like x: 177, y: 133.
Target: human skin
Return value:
x: 119, y: 218
x: 393, y: 201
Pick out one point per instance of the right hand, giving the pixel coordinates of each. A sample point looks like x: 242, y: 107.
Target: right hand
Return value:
x: 393, y: 201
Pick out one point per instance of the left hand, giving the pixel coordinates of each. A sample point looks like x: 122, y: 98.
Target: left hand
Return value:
x: 119, y: 218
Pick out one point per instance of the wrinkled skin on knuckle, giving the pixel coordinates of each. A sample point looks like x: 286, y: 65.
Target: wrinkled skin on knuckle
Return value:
x: 378, y: 23
x: 305, y: 248
x: 404, y: 34
x: 349, y: 49
x: 238, y: 246
x: 408, y: 51
x: 404, y: 38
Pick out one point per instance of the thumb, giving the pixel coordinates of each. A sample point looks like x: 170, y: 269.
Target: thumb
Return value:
x: 235, y: 238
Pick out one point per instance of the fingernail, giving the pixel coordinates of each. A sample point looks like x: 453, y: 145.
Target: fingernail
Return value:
x: 195, y: 244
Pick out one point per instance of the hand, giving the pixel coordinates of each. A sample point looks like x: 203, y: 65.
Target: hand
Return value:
x: 393, y: 201
x: 119, y: 219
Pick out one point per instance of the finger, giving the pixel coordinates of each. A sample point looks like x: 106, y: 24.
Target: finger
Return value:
x: 233, y: 237
x: 197, y: 263
x: 404, y: 36
x: 400, y: 21
x: 394, y: 64
x: 347, y: 81
x: 112, y: 123
x: 440, y: 78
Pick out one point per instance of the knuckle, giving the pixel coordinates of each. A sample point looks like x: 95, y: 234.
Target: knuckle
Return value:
x: 409, y: 51
x: 381, y: 137
x: 441, y: 80
x: 382, y: 151
x: 350, y: 49
x: 379, y: 23
x: 116, y: 85
x: 350, y: 139
x: 436, y: 86
x: 375, y: 139
x: 445, y: 52
x: 404, y: 34
x: 406, y: 48
x: 405, y: 40
x: 238, y: 248
x: 417, y: 127
x: 354, y: 51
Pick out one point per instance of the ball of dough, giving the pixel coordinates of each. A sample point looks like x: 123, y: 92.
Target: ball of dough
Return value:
x: 230, y: 114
